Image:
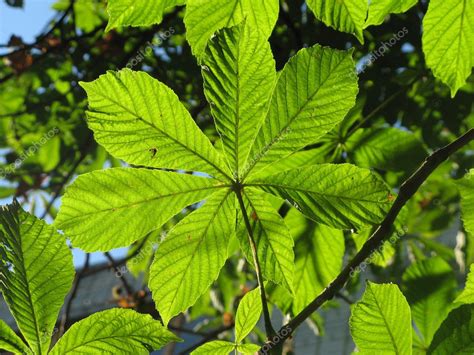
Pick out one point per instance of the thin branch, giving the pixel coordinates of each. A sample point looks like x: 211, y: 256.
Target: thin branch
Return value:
x: 75, y: 287
x: 73, y: 17
x: 64, y: 44
x: 117, y: 262
x: 266, y: 314
x: 56, y: 25
x: 124, y: 281
x: 407, y: 190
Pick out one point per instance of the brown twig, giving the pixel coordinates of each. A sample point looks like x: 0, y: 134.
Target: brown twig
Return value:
x: 117, y: 262
x: 266, y: 314
x: 75, y: 287
x: 407, y: 190
x: 56, y: 25
x: 124, y: 281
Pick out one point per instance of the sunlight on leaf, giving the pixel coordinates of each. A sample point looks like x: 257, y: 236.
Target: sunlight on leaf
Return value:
x: 381, y: 322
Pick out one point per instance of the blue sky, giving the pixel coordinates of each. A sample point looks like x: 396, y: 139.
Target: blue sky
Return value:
x: 28, y: 22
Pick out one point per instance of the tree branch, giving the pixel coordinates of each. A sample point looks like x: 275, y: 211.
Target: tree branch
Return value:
x: 122, y: 278
x: 117, y: 262
x: 407, y: 190
x: 266, y: 314
x: 41, y: 37
x: 75, y: 287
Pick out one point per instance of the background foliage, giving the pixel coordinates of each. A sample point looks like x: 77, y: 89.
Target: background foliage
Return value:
x: 401, y: 114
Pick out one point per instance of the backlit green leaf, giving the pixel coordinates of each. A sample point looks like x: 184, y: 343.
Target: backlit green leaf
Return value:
x: 141, y: 121
x: 448, y: 41
x: 191, y: 256
x: 319, y: 255
x: 272, y: 237
x: 204, y: 17
x: 115, y: 331
x: 467, y: 295
x: 380, y: 322
x: 112, y: 208
x: 239, y: 75
x: 430, y: 285
x: 342, y: 196
x: 137, y: 12
x: 36, y: 273
x: 9, y: 341
x: 346, y: 16
x: 314, y: 91
x: 249, y: 349
x: 248, y: 314
x: 456, y: 334
x: 379, y: 9
x: 466, y: 189
x: 216, y: 347
x: 390, y: 149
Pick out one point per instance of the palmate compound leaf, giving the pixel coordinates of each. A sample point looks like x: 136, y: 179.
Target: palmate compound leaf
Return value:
x: 9, y: 341
x: 114, y: 331
x: 346, y: 16
x: 314, y: 91
x: 248, y: 314
x: 456, y: 333
x: 380, y: 322
x: 112, y: 208
x: 378, y: 10
x: 191, y: 256
x: 239, y: 75
x: 429, y: 286
x: 448, y: 41
x: 342, y: 196
x: 137, y: 12
x: 204, y: 17
x: 140, y: 120
x: 272, y: 238
x: 36, y: 273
